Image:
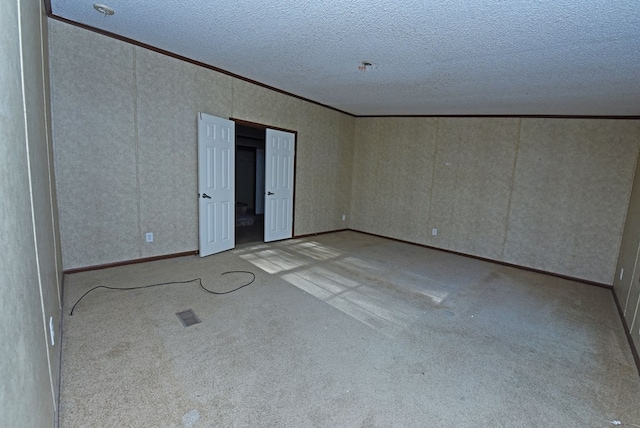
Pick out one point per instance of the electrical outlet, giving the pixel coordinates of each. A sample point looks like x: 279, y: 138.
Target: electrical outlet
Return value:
x: 434, y: 232
x: 621, y: 273
x: 344, y: 217
x: 149, y: 236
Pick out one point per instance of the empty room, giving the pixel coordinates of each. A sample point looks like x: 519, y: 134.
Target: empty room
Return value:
x: 323, y: 214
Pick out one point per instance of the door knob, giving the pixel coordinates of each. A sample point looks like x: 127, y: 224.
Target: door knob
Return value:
x: 204, y: 195
x: 270, y: 193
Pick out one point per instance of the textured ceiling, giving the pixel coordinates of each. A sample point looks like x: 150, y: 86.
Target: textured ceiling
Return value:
x: 475, y: 57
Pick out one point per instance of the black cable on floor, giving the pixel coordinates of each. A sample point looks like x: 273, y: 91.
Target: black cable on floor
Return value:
x: 172, y: 282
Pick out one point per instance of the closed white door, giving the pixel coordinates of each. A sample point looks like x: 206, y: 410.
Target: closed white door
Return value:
x: 278, y: 216
x: 216, y: 184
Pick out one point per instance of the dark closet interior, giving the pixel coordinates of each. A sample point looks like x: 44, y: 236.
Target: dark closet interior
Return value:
x: 249, y: 187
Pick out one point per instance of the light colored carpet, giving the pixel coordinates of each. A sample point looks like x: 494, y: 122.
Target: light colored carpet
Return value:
x: 344, y: 330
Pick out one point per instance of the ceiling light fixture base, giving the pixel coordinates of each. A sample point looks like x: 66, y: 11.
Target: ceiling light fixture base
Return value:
x: 365, y: 65
x: 105, y: 10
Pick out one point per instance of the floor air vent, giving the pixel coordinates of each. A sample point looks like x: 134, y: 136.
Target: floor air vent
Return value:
x: 188, y: 318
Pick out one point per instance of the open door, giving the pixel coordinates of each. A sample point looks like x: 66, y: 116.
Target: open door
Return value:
x: 216, y: 187
x: 278, y: 216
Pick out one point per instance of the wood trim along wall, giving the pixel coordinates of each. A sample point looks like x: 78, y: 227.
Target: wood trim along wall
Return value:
x: 51, y: 15
x: 167, y: 256
x: 195, y: 252
x: 557, y: 275
x: 309, y: 235
x: 130, y: 262
x: 627, y: 331
x: 256, y: 125
x: 515, y: 116
x: 634, y: 352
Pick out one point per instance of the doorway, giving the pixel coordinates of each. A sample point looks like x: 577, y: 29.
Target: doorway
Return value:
x: 250, y: 184
x: 263, y: 209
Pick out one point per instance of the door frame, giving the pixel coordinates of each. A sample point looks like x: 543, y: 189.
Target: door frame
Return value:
x: 256, y: 125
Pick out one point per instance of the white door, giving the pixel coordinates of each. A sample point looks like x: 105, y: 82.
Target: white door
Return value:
x: 278, y: 216
x: 216, y: 187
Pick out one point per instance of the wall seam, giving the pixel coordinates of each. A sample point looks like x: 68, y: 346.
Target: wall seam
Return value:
x: 433, y: 175
x: 379, y: 220
x: 354, y: 136
x: 31, y: 200
x: 635, y: 316
x: 233, y: 85
x: 137, y: 147
x: 511, y: 185
x: 633, y: 277
x: 54, y: 164
x: 49, y: 164
x: 355, y: 141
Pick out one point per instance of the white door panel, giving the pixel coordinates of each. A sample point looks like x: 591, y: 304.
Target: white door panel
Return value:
x: 278, y: 217
x: 216, y: 187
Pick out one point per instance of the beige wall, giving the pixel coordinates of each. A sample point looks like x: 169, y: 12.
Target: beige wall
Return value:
x: 30, y: 270
x: 125, y: 139
x: 549, y: 194
x: 627, y: 278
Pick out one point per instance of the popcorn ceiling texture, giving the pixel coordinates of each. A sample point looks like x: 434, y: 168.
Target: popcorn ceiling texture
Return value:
x: 518, y: 57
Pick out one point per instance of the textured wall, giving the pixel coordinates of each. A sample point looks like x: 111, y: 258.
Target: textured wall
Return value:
x: 126, y: 146
x: 168, y: 95
x: 393, y: 176
x: 534, y: 192
x: 550, y: 194
x: 93, y: 89
x: 323, y: 169
x: 472, y: 185
x: 30, y: 272
x: 627, y: 288
x: 571, y: 190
